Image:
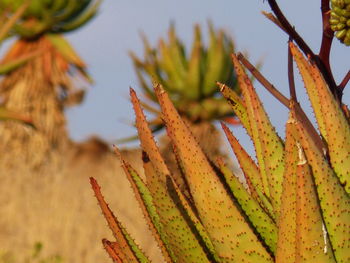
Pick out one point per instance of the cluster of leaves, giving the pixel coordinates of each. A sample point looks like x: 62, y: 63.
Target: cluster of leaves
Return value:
x: 54, y: 16
x: 188, y: 76
x: 296, y: 206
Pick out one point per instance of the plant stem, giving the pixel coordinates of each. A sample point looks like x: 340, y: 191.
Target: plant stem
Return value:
x: 255, y: 72
x: 344, y: 81
x: 292, y: 91
x: 300, y: 114
x: 319, y: 61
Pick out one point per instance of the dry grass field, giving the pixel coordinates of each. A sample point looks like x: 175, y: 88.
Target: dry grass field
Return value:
x: 57, y: 208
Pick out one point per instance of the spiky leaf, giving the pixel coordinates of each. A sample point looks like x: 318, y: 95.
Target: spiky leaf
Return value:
x: 226, y: 227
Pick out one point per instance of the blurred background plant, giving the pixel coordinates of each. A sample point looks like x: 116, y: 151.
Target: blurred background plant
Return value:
x: 40, y: 81
x: 189, y: 77
x: 43, y: 169
x: 48, y: 201
x: 296, y: 204
x: 7, y: 22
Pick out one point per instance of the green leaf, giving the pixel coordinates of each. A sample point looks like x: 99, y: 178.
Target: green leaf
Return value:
x: 9, y: 66
x: 130, y: 252
x: 193, y: 79
x: 334, y: 200
x: 287, y: 227
x: 166, y: 63
x: 145, y: 200
x: 330, y: 118
x: 9, y: 23
x: 232, y: 237
x: 237, y: 105
x: 84, y: 16
x: 268, y: 145
x: 178, y: 230
x: 215, y: 61
x: 262, y: 222
x: 251, y: 172
x: 62, y: 45
x: 301, y: 236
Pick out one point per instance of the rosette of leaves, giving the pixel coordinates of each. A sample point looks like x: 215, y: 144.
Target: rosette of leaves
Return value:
x: 340, y: 20
x: 295, y: 208
x: 50, y: 16
x: 41, y: 72
x: 189, y: 77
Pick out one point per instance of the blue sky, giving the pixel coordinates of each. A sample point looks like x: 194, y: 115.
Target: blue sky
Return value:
x: 104, y: 44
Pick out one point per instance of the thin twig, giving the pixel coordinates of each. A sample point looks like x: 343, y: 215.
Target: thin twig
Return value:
x: 327, y: 35
x: 255, y: 72
x: 292, y: 91
x: 293, y: 34
x: 289, y: 28
x: 273, y: 19
x: 301, y: 115
x: 345, y: 81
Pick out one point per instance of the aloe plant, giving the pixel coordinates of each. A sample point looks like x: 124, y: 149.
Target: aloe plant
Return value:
x: 296, y: 205
x: 38, y: 70
x: 188, y: 76
x: 7, y: 24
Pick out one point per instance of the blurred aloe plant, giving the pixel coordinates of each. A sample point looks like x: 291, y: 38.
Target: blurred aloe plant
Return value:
x: 296, y: 206
x: 41, y: 70
x: 6, y: 26
x: 188, y: 77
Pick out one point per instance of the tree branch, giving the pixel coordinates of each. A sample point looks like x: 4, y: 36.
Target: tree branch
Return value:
x: 285, y: 101
x: 276, y: 93
x: 292, y: 91
x: 344, y: 81
x: 293, y: 34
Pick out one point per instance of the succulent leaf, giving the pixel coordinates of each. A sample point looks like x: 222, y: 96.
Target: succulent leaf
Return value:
x: 313, y: 244
x: 226, y: 226
x: 113, y: 250
x: 189, y: 77
x: 145, y: 199
x: 175, y: 226
x: 62, y: 45
x: 194, y: 74
x: 286, y: 246
x: 251, y: 172
x: 262, y: 222
x: 237, y: 105
x: 334, y: 200
x: 268, y: 146
x: 129, y: 250
x: 329, y: 116
x: 9, y: 66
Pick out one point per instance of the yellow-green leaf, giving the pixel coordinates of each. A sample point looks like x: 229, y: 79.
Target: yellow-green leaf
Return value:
x: 177, y: 229
x: 125, y: 242
x: 268, y: 145
x: 231, y: 235
x: 334, y: 200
